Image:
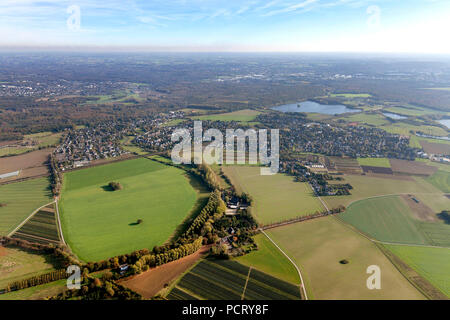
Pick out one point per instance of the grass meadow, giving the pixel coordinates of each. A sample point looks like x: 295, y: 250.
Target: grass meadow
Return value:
x: 99, y: 223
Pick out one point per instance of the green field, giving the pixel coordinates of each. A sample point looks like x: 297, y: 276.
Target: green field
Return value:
x: 374, y: 162
x: 403, y: 128
x: 276, y: 197
x: 270, y: 260
x: 246, y: 115
x: 441, y: 180
x: 99, y: 223
x: 16, y: 264
x: 21, y: 199
x: 390, y: 219
x: 431, y: 263
x: 38, y: 292
x: 317, y: 246
x: 386, y: 219
x: 229, y: 280
x: 367, y: 118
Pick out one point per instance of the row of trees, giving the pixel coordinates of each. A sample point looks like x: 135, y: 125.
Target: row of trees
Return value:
x: 37, y: 280
x: 99, y: 289
x: 55, y: 176
x: 153, y: 260
x: 213, y: 210
x: 317, y: 214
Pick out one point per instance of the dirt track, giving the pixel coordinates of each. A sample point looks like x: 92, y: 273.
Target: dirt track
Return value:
x: 149, y: 283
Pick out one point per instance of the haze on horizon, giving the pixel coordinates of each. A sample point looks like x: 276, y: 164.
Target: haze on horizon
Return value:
x: 387, y: 26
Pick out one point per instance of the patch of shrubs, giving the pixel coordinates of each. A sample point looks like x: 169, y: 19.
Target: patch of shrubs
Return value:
x: 115, y: 186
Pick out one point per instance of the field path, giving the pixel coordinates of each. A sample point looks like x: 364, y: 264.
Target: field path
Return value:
x: 28, y: 218
x: 58, y: 219
x: 246, y: 282
x: 296, y: 267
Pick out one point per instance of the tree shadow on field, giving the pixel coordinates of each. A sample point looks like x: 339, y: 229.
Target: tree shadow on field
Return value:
x: 133, y: 224
x: 444, y: 216
x: 107, y: 188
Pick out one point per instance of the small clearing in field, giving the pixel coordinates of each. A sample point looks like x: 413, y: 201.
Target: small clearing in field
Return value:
x: 419, y: 209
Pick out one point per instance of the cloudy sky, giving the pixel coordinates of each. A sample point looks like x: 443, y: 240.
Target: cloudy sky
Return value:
x: 230, y: 25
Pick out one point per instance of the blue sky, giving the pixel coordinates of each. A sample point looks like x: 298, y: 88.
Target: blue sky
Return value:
x: 231, y: 25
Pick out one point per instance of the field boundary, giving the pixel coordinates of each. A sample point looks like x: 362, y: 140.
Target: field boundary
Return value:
x: 404, y: 268
x: 302, y: 285
x: 28, y: 218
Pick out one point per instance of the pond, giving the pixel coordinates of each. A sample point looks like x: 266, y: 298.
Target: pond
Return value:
x: 311, y: 106
x: 394, y: 116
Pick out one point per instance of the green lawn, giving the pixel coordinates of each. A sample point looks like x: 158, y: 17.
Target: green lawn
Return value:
x: 374, y: 162
x: 441, y: 180
x: 431, y: 263
x: 270, y: 260
x: 276, y: 197
x: 98, y: 223
x: 21, y: 199
x: 317, y: 246
x: 246, y: 115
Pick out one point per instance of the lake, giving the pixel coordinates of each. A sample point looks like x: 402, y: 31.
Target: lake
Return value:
x: 445, y: 122
x: 311, y: 106
x: 394, y: 116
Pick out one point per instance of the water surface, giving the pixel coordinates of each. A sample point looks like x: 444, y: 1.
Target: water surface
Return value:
x: 311, y: 106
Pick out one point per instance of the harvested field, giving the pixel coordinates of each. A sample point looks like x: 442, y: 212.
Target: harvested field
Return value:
x: 377, y: 170
x: 412, y: 167
x: 277, y: 197
x: 317, y: 247
x: 149, y: 283
x: 346, y: 165
x: 31, y: 164
x: 229, y: 280
x: 435, y: 148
